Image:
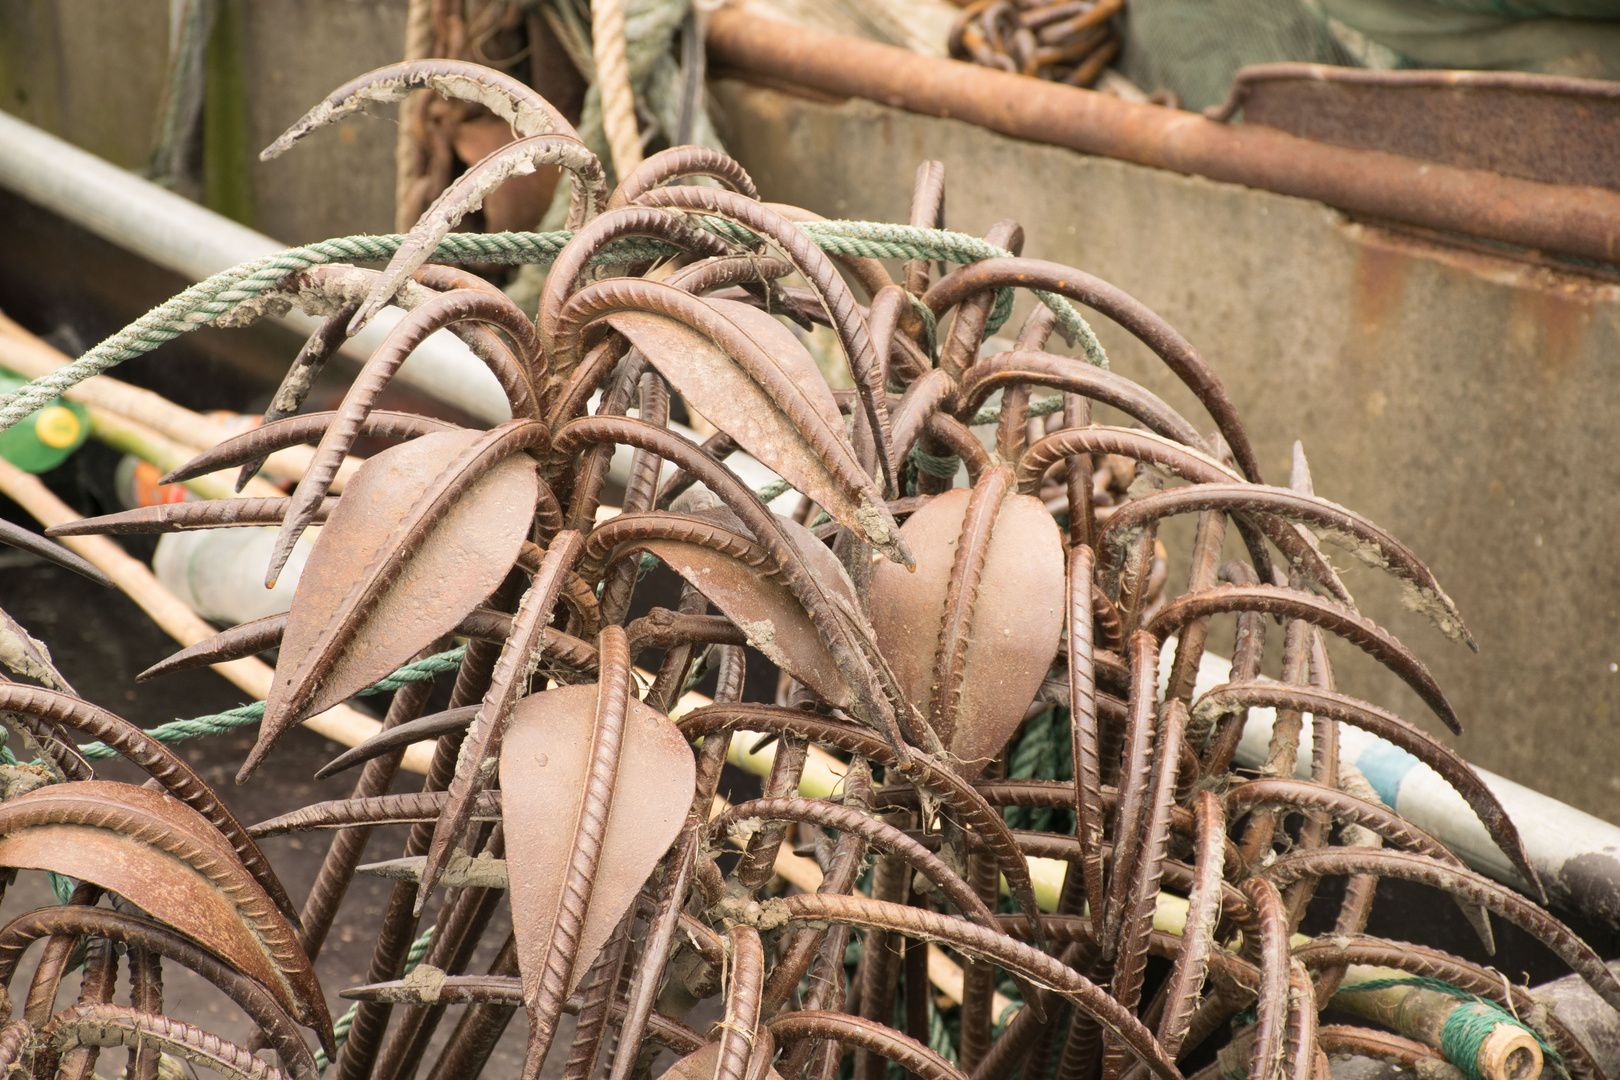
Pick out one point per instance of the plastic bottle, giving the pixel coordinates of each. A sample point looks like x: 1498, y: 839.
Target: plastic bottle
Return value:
x: 135, y: 483
x: 43, y: 440
x: 219, y: 573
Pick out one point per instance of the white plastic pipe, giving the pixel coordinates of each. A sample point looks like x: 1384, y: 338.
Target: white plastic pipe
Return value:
x: 194, y: 242
x: 1573, y: 852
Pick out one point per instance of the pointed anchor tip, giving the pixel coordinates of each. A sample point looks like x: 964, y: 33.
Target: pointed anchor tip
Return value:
x: 285, y: 542
x: 261, y: 750
x: 362, y: 316
x: 279, y: 147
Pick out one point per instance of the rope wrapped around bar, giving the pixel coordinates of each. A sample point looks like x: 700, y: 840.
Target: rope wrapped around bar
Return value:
x: 1467, y: 1027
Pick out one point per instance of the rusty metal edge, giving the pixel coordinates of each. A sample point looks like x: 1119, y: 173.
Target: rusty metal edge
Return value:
x: 1578, y: 221
x: 1522, y: 82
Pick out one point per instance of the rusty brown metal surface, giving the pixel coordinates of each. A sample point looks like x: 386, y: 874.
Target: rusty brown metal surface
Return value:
x: 1583, y: 222
x: 451, y: 570
x: 168, y: 859
x: 1069, y: 41
x: 996, y: 648
x: 544, y: 760
x: 761, y: 385
x: 1547, y: 128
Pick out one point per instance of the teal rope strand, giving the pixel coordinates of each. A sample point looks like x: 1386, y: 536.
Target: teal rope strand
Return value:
x: 206, y: 301
x: 942, y: 468
x: 1468, y: 1026
x: 880, y: 240
x: 773, y: 491
x: 930, y: 323
x: 1466, y: 1030
x: 222, y: 293
x: 1044, y: 407
x: 253, y: 712
x: 344, y: 1023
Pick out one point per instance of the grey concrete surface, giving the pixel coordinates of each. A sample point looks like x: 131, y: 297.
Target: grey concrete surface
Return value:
x: 1466, y: 403
x: 92, y: 72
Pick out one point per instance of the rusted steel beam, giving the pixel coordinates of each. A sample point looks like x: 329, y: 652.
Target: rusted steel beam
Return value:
x: 1579, y: 221
x: 1537, y: 127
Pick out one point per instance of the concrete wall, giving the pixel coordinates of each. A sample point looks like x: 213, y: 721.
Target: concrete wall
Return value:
x: 92, y: 71
x: 1468, y: 404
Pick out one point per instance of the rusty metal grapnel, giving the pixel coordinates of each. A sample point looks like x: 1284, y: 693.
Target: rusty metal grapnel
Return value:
x: 999, y: 784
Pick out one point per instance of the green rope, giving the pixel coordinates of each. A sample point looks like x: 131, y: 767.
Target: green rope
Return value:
x: 1042, y: 752
x: 930, y: 323
x: 206, y: 301
x: 943, y: 468
x: 773, y: 491
x: 918, y: 461
x: 880, y: 240
x: 1468, y: 1026
x: 1044, y: 407
x: 343, y: 1024
x: 222, y: 293
x: 251, y: 713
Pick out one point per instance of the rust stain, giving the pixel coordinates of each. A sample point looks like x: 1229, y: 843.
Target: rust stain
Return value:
x: 1380, y: 284
x: 1552, y: 322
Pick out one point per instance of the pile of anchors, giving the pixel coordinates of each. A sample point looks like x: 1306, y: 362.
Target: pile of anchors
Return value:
x: 929, y: 633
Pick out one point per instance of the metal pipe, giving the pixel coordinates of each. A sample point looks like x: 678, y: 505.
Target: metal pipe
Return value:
x: 1579, y: 221
x: 193, y: 241
x: 1574, y: 91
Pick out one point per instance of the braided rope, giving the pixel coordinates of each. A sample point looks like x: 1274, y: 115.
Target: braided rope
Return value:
x: 881, y: 240
x: 613, y: 82
x: 246, y: 715
x: 206, y: 301
x: 944, y: 467
x: 773, y: 491
x: 1044, y: 407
